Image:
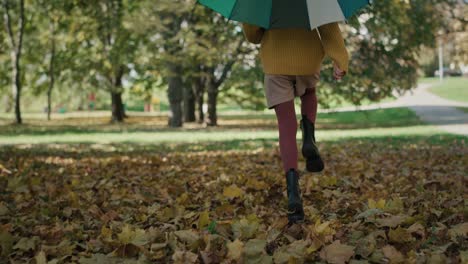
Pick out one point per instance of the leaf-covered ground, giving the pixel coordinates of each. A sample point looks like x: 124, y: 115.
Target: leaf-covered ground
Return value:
x: 376, y: 203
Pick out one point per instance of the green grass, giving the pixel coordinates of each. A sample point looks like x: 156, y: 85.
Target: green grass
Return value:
x: 428, y: 80
x: 96, y: 149
x: 254, y: 130
x: 455, y: 89
x: 464, y: 109
x: 392, y: 117
x: 200, y: 136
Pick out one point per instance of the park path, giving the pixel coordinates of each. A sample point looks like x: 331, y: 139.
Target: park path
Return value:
x: 430, y: 108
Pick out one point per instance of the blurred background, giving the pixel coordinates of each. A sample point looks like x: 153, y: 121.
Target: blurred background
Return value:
x: 118, y: 58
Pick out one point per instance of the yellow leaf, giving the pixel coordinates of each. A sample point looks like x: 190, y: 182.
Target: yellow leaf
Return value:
x: 182, y: 199
x: 73, y: 199
x: 394, y: 206
x: 235, y: 250
x: 256, y: 184
x: 233, y: 191
x: 203, y: 219
x: 106, y: 234
x: 41, y: 258
x: 322, y: 227
x: 376, y: 205
x: 399, y: 235
x: 129, y: 236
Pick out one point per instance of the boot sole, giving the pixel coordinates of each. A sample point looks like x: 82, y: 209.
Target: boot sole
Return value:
x: 314, y: 162
x: 297, y: 216
x: 296, y: 219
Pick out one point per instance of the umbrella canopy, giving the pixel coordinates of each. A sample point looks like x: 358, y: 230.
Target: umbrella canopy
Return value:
x: 286, y: 13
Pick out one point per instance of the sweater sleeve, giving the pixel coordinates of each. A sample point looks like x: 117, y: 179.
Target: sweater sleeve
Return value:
x: 253, y: 33
x: 333, y: 44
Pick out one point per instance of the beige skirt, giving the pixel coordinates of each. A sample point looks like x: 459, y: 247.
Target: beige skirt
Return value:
x: 284, y: 88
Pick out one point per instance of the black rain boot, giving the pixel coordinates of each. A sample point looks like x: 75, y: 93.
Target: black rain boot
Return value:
x: 295, y: 209
x: 314, y: 162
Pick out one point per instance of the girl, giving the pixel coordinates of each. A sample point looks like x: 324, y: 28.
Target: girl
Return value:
x: 291, y: 60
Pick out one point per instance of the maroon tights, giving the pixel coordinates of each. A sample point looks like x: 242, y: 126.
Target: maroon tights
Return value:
x: 287, y: 125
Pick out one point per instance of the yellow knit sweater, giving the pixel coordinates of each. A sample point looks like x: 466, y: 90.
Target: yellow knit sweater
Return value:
x: 298, y: 51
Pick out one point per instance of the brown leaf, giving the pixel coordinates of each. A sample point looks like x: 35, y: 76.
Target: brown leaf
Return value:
x: 392, y: 221
x: 184, y: 257
x: 399, y: 235
x: 460, y: 230
x: 337, y: 253
x: 292, y: 253
x: 417, y: 228
x: 236, y: 249
x: 393, y: 254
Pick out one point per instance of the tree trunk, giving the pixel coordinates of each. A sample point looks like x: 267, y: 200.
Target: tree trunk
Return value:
x: 117, y: 107
x: 49, y: 100
x: 16, y: 88
x: 199, y: 92
x: 201, y: 114
x: 16, y: 44
x: 51, y: 72
x: 118, y: 110
x: 212, y: 104
x: 189, y: 105
x: 175, y: 95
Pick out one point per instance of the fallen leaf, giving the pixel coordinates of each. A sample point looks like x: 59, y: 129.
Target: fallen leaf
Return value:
x: 292, y: 253
x: 26, y: 243
x: 254, y: 252
x: 337, y: 253
x: 464, y: 256
x: 366, y: 246
x: 3, y: 209
x: 184, y: 257
x: 394, y: 206
x: 393, y: 254
x: 133, y: 236
x: 203, y: 220
x: 392, y: 221
x: 399, y: 235
x: 233, y: 191
x: 372, y: 204
x: 417, y: 228
x: 41, y: 258
x: 369, y: 213
x: 256, y: 184
x: 190, y: 237
x: 244, y: 228
x: 460, y: 230
x: 235, y: 250
x: 6, y: 242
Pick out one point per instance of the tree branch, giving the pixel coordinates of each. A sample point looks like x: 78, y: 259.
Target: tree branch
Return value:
x: 22, y: 24
x: 230, y: 64
x: 7, y: 20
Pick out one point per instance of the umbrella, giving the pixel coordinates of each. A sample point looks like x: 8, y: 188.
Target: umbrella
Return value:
x: 270, y: 14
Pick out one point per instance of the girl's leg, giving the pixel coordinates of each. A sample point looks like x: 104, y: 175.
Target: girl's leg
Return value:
x: 309, y: 104
x: 287, y: 124
x: 310, y: 151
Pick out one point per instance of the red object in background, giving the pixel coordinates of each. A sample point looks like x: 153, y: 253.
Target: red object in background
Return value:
x: 148, y: 107
x: 92, y: 97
